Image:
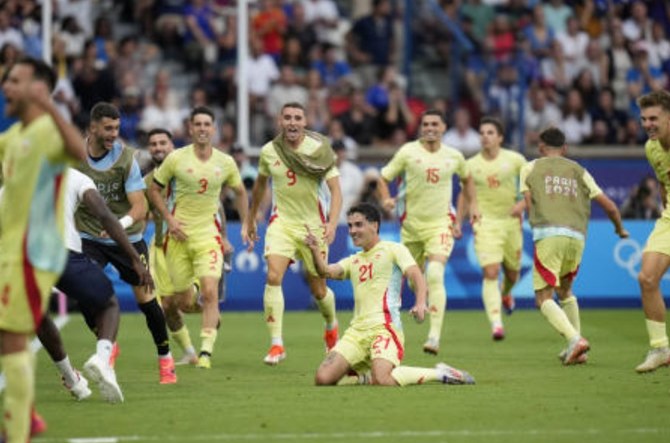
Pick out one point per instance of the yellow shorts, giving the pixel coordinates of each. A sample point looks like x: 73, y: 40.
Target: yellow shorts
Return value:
x: 659, y: 239
x: 24, y: 295
x: 193, y: 259
x: 289, y: 242
x: 556, y: 258
x: 360, y: 347
x: 159, y: 271
x: 499, y: 241
x: 438, y: 241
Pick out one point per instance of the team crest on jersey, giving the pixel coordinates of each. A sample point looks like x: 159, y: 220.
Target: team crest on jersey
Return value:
x: 217, y: 171
x: 505, y: 166
x: 189, y: 171
x: 277, y: 163
x: 356, y: 261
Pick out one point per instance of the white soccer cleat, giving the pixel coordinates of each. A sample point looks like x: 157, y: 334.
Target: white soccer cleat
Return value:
x: 582, y: 359
x: 453, y: 376
x: 576, y: 348
x: 103, y: 374
x: 276, y: 354
x: 80, y: 389
x: 431, y: 346
x: 187, y: 359
x: 656, y: 357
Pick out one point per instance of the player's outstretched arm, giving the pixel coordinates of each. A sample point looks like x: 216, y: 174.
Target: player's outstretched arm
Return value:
x: 96, y: 204
x: 470, y: 193
x: 334, y: 272
x: 418, y: 283
x: 384, y: 194
x: 241, y: 205
x: 612, y: 213
x: 156, y: 199
x: 257, y: 194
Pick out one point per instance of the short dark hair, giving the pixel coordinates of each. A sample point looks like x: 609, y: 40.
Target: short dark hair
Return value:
x: 202, y: 110
x: 295, y: 105
x: 655, y: 98
x: 104, y: 110
x: 369, y: 211
x: 41, y: 71
x: 500, y: 127
x: 155, y: 131
x: 553, y: 137
x: 433, y: 112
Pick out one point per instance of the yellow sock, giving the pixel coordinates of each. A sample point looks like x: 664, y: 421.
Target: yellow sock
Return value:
x: 327, y: 307
x: 273, y: 305
x: 657, y: 335
x: 408, y: 375
x: 492, y: 300
x: 19, y: 394
x: 571, y: 309
x: 557, y: 318
x: 182, y: 337
x: 207, y: 337
x: 437, y: 297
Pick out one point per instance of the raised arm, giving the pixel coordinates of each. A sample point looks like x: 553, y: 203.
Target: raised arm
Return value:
x: 612, y: 213
x: 334, y: 272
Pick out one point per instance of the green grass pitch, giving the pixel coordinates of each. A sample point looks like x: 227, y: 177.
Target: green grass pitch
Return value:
x: 523, y: 393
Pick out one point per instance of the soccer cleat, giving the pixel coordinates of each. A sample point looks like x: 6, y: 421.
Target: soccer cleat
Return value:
x: 508, y: 304
x: 656, y: 357
x: 116, y: 350
x: 582, y: 359
x: 275, y: 355
x: 498, y: 333
x: 167, y: 374
x: 453, y: 376
x: 80, y: 389
x: 204, y: 362
x: 330, y: 337
x: 37, y: 424
x: 187, y: 359
x: 431, y: 346
x: 103, y: 374
x: 577, y: 347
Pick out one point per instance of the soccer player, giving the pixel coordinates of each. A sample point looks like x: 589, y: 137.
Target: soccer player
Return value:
x: 498, y: 235
x: 424, y: 169
x: 113, y: 168
x: 374, y: 340
x: 34, y: 152
x: 298, y: 162
x: 558, y: 194
x: 193, y: 249
x: 655, y: 116
x: 85, y: 281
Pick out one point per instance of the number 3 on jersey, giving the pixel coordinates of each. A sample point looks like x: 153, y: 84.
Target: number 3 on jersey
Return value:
x: 203, y: 185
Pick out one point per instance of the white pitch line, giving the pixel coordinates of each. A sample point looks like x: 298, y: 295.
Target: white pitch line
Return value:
x: 357, y: 436
x: 35, y: 344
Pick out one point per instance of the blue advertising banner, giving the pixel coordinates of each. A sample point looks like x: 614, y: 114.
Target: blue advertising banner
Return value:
x: 607, y: 276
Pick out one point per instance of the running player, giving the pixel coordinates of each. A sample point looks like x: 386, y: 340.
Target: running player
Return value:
x: 424, y: 169
x: 298, y: 162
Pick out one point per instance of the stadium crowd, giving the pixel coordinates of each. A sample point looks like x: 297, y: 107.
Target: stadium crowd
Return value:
x: 578, y: 63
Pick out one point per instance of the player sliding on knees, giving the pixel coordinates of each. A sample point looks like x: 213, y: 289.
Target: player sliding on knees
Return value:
x: 374, y: 340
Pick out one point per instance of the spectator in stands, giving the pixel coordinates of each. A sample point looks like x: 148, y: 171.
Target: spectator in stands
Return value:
x: 641, y: 77
x: 316, y: 111
x: 598, y: 62
x: 295, y: 56
x: 359, y: 120
x: 269, y: 24
x: 323, y: 15
x: 461, y: 135
x: 540, y: 113
x: 371, y: 41
x: 92, y: 83
x: 103, y: 36
x: 620, y: 63
x: 351, y: 179
x: 659, y: 48
x: 643, y: 202
x: 301, y: 29
x: 556, y: 70
x: 557, y: 14
x: 576, y: 122
x: 540, y: 35
x: 228, y: 135
x: 500, y: 40
x: 130, y: 108
x: 370, y: 194
x: 614, y: 119
x: 336, y: 134
x: 393, y: 120
x: 638, y: 25
x: 587, y: 88
x: 9, y: 34
x: 481, y: 13
x: 334, y: 72
x: 162, y: 113
x: 201, y: 36
x: 285, y: 90
x: 505, y: 97
x: 573, y: 41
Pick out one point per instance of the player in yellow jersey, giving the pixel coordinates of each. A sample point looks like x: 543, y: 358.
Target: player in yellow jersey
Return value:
x: 298, y: 162
x: 498, y: 235
x: 424, y: 169
x: 374, y: 340
x: 655, y: 116
x: 195, y: 175
x: 34, y: 152
x: 558, y: 194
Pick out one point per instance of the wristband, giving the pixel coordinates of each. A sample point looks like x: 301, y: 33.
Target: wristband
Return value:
x: 126, y: 221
